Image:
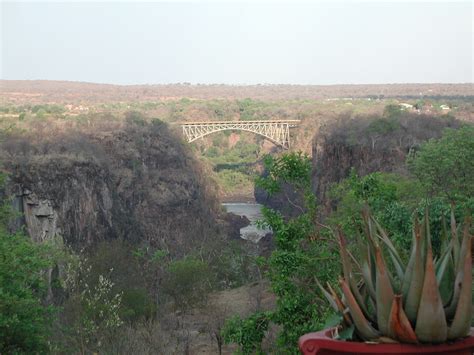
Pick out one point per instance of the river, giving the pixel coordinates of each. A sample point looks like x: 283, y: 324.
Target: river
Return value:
x: 253, y: 211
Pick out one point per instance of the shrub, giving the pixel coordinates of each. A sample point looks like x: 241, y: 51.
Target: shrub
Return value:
x: 188, y: 282
x: 25, y: 322
x: 247, y: 333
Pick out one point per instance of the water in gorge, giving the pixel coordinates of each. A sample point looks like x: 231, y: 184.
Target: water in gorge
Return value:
x: 253, y: 212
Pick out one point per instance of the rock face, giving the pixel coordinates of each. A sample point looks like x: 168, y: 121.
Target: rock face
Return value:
x: 138, y: 182
x: 39, y: 217
x: 369, y: 144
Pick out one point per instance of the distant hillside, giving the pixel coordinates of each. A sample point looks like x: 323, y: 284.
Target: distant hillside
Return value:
x: 64, y: 91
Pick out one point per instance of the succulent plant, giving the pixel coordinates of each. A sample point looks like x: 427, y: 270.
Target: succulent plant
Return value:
x: 426, y: 300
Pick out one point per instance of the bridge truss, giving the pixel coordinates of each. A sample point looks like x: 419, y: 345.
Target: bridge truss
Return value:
x: 277, y: 131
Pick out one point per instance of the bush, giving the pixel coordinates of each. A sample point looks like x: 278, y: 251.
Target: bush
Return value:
x: 188, y: 281
x: 25, y: 322
x: 247, y: 333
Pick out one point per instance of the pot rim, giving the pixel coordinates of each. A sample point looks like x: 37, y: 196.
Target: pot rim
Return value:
x: 322, y: 340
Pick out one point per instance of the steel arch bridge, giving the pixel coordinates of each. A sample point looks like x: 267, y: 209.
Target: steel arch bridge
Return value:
x: 277, y: 131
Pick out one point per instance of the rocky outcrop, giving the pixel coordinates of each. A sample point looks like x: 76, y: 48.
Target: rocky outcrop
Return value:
x: 234, y: 223
x: 369, y: 144
x: 39, y: 217
x: 138, y: 183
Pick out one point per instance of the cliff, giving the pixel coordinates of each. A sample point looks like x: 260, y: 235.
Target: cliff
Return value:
x: 370, y: 144
x: 136, y: 181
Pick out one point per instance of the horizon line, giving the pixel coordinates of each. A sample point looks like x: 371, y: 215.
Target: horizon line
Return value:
x: 185, y: 83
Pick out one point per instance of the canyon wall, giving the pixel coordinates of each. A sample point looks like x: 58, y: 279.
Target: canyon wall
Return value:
x: 369, y: 144
x: 136, y: 182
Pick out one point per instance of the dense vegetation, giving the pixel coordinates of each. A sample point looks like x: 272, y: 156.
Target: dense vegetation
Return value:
x: 84, y: 301
x: 304, y: 251
x: 25, y: 321
x: 232, y: 160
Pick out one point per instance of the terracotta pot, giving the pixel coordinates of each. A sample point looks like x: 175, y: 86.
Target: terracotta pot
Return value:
x: 321, y: 343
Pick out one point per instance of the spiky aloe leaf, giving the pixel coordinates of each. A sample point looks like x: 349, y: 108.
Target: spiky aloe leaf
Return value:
x: 327, y: 295
x: 454, y: 238
x: 371, y: 242
x: 366, y: 274
x: 459, y: 270
x: 409, y: 269
x: 444, y: 234
x: 415, y: 283
x: 364, y: 329
x: 462, y: 318
x: 348, y: 275
x: 445, y: 253
x: 340, y: 305
x: 383, y: 292
x: 397, y: 261
x: 431, y: 326
x: 445, y: 276
x: 399, y: 325
x: 423, y: 240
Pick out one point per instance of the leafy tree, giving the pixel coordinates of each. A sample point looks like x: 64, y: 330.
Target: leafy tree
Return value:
x: 188, y: 281
x: 392, y: 111
x: 446, y: 165
x: 97, y: 307
x: 25, y: 322
x: 247, y: 333
x: 300, y: 254
x: 385, y: 194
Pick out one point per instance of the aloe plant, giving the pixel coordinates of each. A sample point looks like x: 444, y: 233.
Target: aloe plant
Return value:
x: 427, y: 300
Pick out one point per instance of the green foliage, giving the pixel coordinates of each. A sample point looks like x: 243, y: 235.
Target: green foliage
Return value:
x: 93, y: 307
x: 393, y: 200
x: 25, y: 322
x: 446, y: 165
x: 212, y: 152
x: 136, y: 305
x: 445, y: 170
x: 248, y: 109
x: 382, y: 192
x: 233, y: 180
x: 132, y: 277
x: 384, y: 125
x: 392, y: 111
x: 248, y: 333
x: 188, y: 281
x: 299, y: 254
x: 233, y: 266
x: 292, y: 168
x: 42, y: 110
x: 135, y: 118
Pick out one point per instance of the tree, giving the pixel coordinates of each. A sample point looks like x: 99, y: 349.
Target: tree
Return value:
x: 300, y: 254
x: 248, y: 333
x: 187, y: 281
x: 446, y: 165
x: 97, y: 307
x: 25, y: 322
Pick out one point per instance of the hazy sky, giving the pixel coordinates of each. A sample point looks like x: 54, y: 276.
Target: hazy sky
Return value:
x: 239, y: 43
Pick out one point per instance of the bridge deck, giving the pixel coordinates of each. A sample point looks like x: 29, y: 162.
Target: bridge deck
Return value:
x: 239, y: 122
x: 278, y: 131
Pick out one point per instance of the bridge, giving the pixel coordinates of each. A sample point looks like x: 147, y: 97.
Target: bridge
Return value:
x: 277, y: 131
